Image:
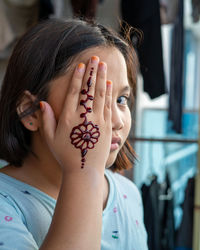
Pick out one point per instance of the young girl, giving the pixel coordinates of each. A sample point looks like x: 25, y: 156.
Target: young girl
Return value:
x: 64, y: 121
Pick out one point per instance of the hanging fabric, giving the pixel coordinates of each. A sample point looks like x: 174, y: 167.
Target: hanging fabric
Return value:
x: 84, y: 8
x: 16, y: 16
x: 176, y: 76
x: 168, y: 11
x: 145, y: 15
x: 195, y: 10
x: 158, y: 215
x: 6, y: 34
x: 46, y: 9
x: 184, y: 233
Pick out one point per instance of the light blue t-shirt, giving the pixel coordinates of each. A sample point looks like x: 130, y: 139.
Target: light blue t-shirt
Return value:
x: 26, y: 214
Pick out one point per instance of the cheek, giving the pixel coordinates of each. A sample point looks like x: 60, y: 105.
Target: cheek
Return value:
x: 56, y: 101
x: 127, y: 123
x: 57, y: 93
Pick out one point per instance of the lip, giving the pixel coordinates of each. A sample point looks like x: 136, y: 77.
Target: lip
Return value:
x: 115, y: 143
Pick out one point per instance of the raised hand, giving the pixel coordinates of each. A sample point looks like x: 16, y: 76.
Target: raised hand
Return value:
x: 81, y: 138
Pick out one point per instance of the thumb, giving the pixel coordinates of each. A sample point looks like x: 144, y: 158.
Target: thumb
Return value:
x: 48, y: 121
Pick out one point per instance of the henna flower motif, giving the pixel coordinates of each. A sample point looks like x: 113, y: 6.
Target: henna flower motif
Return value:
x: 85, y: 136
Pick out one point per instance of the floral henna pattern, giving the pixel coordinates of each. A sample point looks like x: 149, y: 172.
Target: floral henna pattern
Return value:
x: 86, y: 134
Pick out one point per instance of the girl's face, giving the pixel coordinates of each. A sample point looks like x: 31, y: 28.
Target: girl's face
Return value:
x: 117, y: 73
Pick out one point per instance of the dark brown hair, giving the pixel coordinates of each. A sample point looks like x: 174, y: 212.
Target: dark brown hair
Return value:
x: 41, y: 55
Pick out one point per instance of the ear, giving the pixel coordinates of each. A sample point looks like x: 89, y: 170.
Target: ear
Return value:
x: 31, y: 121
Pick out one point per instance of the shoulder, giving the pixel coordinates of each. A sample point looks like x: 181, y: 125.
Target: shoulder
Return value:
x: 9, y: 186
x: 10, y: 196
x: 26, y: 199
x: 9, y: 209
x: 6, y: 188
x: 13, y: 223
x: 20, y: 203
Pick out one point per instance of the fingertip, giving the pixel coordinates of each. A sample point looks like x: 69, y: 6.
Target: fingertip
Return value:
x: 102, y: 66
x: 42, y: 106
x: 109, y: 86
x: 48, y: 120
x: 109, y: 83
x: 45, y: 109
x: 81, y: 68
x: 94, y: 59
x: 45, y: 106
x: 108, y: 98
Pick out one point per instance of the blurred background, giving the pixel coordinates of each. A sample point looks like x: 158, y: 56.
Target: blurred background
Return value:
x: 165, y: 129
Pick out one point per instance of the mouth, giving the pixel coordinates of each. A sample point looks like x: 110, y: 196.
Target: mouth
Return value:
x: 115, y: 143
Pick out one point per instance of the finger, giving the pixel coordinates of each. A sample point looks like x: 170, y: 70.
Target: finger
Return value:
x: 73, y: 91
x: 108, y: 101
x: 100, y: 89
x: 48, y: 121
x: 88, y: 85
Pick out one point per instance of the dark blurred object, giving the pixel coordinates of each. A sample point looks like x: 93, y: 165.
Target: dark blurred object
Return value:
x: 16, y: 16
x: 84, y: 8
x: 196, y: 10
x: 145, y: 15
x: 168, y: 11
x: 158, y: 214
x: 185, y: 232
x: 46, y: 9
x: 176, y: 72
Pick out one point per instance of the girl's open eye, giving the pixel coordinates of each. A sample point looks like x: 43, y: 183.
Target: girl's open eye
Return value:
x: 123, y: 100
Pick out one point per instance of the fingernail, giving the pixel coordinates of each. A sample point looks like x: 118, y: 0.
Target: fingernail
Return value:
x: 42, y: 106
x: 81, y: 67
x: 94, y: 59
x: 109, y: 83
x: 102, y: 66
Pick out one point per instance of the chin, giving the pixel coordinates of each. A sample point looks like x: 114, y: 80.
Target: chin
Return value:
x: 111, y: 159
x: 108, y: 166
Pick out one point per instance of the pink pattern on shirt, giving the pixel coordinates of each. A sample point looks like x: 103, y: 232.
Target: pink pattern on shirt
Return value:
x: 8, y: 218
x: 115, y: 209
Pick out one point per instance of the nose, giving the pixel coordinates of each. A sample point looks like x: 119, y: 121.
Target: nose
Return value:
x: 117, y: 121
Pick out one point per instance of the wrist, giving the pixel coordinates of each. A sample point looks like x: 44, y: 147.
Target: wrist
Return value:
x: 90, y: 175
